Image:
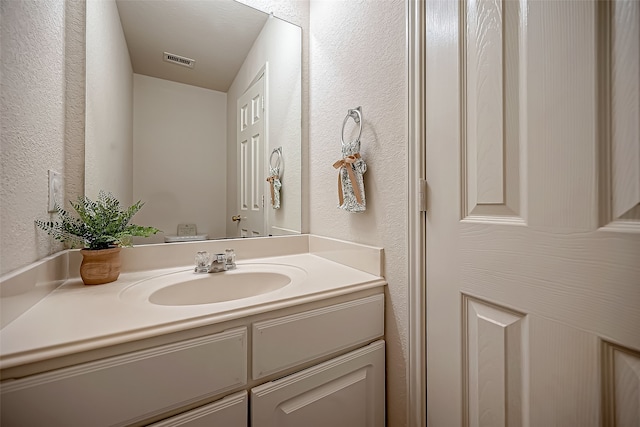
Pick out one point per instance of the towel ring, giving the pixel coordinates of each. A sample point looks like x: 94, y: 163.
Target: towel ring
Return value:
x: 278, y: 152
x: 356, y: 115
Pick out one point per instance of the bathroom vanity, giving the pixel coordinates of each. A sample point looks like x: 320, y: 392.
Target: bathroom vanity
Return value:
x: 307, y: 353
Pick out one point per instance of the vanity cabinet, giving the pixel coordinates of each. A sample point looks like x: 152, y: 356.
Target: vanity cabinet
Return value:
x: 126, y: 389
x: 321, y: 364
x: 347, y: 391
x: 283, y: 342
x: 228, y: 412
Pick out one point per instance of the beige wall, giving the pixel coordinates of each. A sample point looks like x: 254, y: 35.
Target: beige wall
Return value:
x: 357, y: 57
x: 182, y: 128
x: 41, y: 117
x: 109, y: 103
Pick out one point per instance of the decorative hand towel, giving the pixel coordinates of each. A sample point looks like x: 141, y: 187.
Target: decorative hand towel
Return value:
x: 350, y: 178
x: 274, y: 177
x: 275, y: 185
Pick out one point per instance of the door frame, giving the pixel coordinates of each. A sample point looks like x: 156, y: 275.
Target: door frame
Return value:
x: 417, y: 204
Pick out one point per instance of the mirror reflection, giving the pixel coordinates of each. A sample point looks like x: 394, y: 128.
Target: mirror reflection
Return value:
x: 193, y: 106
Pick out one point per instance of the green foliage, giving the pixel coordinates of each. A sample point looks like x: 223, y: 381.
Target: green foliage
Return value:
x: 100, y: 224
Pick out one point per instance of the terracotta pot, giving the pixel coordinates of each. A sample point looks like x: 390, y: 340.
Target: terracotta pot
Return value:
x: 100, y: 266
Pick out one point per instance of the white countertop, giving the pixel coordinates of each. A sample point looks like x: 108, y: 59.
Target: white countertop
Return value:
x: 75, y: 317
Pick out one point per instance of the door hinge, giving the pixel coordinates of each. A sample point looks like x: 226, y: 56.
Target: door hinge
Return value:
x: 422, y: 189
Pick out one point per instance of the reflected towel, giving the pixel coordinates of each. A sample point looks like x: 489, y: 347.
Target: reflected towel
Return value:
x: 275, y: 186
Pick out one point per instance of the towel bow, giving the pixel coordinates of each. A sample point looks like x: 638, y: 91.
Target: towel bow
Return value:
x: 273, y: 195
x: 347, y: 163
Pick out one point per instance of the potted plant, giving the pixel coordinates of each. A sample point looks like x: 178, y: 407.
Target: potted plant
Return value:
x: 102, y: 228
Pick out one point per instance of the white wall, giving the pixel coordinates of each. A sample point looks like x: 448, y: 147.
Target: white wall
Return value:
x: 39, y: 118
x: 357, y: 57
x: 273, y: 47
x: 180, y: 156
x: 109, y: 108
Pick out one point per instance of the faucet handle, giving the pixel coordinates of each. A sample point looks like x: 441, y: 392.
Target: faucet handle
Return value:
x: 203, y: 261
x: 230, y: 261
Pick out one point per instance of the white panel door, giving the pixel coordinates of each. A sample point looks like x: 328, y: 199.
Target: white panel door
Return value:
x: 251, y: 154
x: 533, y: 222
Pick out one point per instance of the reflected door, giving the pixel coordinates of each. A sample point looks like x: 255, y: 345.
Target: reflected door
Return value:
x: 533, y: 223
x: 251, y: 148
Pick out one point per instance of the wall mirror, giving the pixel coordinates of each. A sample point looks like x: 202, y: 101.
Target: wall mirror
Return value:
x: 186, y: 100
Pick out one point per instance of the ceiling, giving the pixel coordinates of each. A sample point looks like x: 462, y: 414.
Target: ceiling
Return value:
x: 217, y: 34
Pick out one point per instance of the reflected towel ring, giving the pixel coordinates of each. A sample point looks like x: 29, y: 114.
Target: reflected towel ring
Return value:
x: 278, y: 152
x: 356, y: 115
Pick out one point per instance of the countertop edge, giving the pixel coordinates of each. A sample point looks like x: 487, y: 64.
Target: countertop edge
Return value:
x: 46, y: 353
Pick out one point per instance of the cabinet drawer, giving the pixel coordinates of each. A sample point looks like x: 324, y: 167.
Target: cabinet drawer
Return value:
x: 232, y: 411
x: 288, y: 341
x: 129, y: 388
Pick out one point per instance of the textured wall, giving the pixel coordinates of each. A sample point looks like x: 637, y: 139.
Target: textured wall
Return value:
x: 75, y: 78
x: 36, y: 116
x: 109, y: 101
x: 357, y: 57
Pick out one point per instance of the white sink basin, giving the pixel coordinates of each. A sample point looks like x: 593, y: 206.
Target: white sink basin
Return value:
x: 219, y: 287
x: 189, y: 288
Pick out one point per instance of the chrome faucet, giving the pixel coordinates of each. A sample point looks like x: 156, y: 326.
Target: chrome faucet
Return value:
x: 215, y: 263
x: 218, y: 263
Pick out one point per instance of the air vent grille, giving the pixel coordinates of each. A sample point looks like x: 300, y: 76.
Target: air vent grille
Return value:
x: 179, y: 60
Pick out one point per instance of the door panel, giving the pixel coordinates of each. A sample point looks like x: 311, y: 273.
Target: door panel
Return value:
x: 621, y: 385
x: 491, y: 143
x: 495, y: 367
x: 533, y: 233
x: 624, y: 93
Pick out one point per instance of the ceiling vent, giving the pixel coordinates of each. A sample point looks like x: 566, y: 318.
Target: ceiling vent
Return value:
x: 179, y: 60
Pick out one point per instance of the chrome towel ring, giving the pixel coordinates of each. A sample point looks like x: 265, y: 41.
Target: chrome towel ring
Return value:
x: 278, y: 160
x: 356, y: 115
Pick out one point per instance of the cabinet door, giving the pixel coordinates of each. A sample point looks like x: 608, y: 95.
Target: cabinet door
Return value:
x: 130, y: 388
x: 231, y: 411
x: 347, y: 391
